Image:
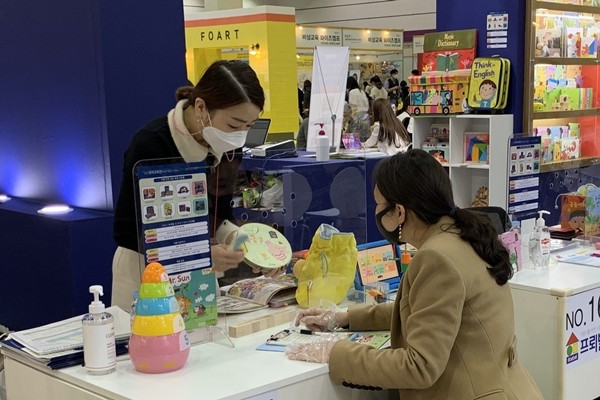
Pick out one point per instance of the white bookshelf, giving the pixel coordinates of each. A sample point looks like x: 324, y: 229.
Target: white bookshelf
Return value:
x: 468, y: 177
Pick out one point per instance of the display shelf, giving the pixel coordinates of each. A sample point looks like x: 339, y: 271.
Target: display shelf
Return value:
x: 565, y: 114
x: 570, y: 164
x: 562, y: 81
x: 468, y: 177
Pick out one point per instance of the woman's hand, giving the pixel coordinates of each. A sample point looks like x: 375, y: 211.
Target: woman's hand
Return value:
x: 322, y: 320
x: 224, y: 259
x: 269, y: 272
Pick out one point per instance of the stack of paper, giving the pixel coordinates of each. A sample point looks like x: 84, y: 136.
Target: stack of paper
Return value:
x: 60, y: 344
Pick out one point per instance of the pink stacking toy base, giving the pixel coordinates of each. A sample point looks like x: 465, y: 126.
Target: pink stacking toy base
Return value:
x: 158, y: 354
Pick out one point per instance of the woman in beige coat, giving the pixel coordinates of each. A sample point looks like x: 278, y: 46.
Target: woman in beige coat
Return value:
x: 452, y: 324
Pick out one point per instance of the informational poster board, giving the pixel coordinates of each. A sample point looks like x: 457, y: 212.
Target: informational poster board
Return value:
x: 172, y: 208
x: 329, y: 76
x: 524, y: 160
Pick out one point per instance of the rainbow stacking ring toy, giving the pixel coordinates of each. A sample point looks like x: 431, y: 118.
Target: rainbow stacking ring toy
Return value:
x: 158, y: 341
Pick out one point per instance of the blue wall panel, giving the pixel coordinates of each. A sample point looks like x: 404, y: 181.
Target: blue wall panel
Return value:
x: 468, y: 14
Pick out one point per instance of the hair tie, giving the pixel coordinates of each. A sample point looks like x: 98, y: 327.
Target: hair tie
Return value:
x: 453, y: 211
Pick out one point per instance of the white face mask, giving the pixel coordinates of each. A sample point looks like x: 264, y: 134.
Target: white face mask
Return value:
x: 220, y: 141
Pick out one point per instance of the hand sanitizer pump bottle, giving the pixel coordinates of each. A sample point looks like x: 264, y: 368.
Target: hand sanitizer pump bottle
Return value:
x: 99, y: 351
x: 322, y: 145
x: 539, y: 243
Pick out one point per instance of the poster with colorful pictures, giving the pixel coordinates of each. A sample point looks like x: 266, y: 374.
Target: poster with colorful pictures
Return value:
x: 524, y: 158
x: 172, y: 208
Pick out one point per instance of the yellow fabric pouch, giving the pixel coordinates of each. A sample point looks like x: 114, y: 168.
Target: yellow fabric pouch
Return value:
x: 328, y: 271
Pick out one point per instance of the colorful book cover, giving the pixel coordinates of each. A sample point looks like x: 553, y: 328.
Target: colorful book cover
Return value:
x: 572, y: 212
x: 589, y: 47
x: 573, y: 38
x: 487, y: 80
x: 196, y: 294
x: 476, y: 147
x: 592, y: 212
x: 449, y: 51
x: 548, y: 42
x: 570, y: 148
x: 512, y: 241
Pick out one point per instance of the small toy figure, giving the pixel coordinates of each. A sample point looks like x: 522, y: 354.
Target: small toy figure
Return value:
x: 481, y: 197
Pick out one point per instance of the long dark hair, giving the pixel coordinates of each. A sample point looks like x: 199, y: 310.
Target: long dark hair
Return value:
x: 390, y: 127
x: 418, y: 181
x: 224, y: 84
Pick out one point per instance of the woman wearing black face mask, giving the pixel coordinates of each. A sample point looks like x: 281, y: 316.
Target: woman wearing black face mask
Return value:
x: 452, y: 324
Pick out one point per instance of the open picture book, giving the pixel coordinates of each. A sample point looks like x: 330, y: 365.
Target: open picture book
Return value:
x: 256, y: 293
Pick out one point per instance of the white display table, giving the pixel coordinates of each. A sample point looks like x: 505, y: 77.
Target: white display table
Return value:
x: 213, y: 371
x: 557, y: 312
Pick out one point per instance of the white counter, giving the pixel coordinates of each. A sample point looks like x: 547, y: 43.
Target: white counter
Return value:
x: 557, y: 311
x: 213, y: 371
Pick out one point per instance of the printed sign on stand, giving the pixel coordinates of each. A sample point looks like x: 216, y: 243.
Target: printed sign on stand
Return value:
x: 582, y: 328
x: 173, y: 230
x: 524, y: 158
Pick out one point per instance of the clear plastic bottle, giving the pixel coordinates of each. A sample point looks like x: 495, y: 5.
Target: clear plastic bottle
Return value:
x: 99, y: 350
x: 539, y: 243
x: 322, y: 145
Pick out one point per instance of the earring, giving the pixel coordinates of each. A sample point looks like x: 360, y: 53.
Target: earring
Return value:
x: 399, y: 232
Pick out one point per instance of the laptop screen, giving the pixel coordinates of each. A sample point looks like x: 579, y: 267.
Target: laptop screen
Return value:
x: 377, y: 262
x: 257, y: 134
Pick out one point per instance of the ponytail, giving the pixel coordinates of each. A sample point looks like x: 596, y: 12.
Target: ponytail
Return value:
x: 477, y: 229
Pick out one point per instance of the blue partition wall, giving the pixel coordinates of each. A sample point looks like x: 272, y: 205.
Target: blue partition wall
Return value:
x: 469, y: 14
x: 78, y: 79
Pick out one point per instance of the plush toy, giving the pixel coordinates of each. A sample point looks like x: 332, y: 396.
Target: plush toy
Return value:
x: 481, y: 197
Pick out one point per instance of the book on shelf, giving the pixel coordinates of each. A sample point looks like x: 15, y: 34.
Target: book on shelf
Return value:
x: 256, y: 293
x: 477, y: 147
x: 60, y: 344
x: 548, y: 42
x: 573, y: 39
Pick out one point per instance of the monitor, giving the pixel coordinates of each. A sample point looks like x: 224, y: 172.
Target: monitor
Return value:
x: 257, y: 134
x: 377, y: 262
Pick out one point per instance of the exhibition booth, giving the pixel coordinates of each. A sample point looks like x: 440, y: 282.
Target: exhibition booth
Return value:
x: 293, y: 194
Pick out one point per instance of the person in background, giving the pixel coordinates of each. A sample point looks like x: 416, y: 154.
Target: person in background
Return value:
x: 306, y: 100
x: 357, y: 99
x: 415, y: 72
x: 209, y: 123
x: 404, y: 116
x: 300, y: 102
x: 392, y: 85
x: 452, y: 322
x: 378, y: 91
x: 302, y: 134
x: 388, y: 134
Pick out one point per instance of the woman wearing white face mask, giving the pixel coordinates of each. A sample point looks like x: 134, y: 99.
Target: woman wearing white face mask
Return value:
x: 209, y: 123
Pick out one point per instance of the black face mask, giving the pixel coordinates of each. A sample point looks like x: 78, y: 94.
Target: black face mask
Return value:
x: 392, y: 236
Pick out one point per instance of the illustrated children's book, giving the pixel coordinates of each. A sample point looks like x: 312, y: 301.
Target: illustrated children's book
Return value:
x: 512, y: 241
x: 572, y: 212
x: 256, y: 293
x: 548, y: 42
x: 573, y: 38
x: 488, y: 88
x: 196, y: 294
x: 449, y: 51
x: 592, y: 212
x: 477, y: 147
